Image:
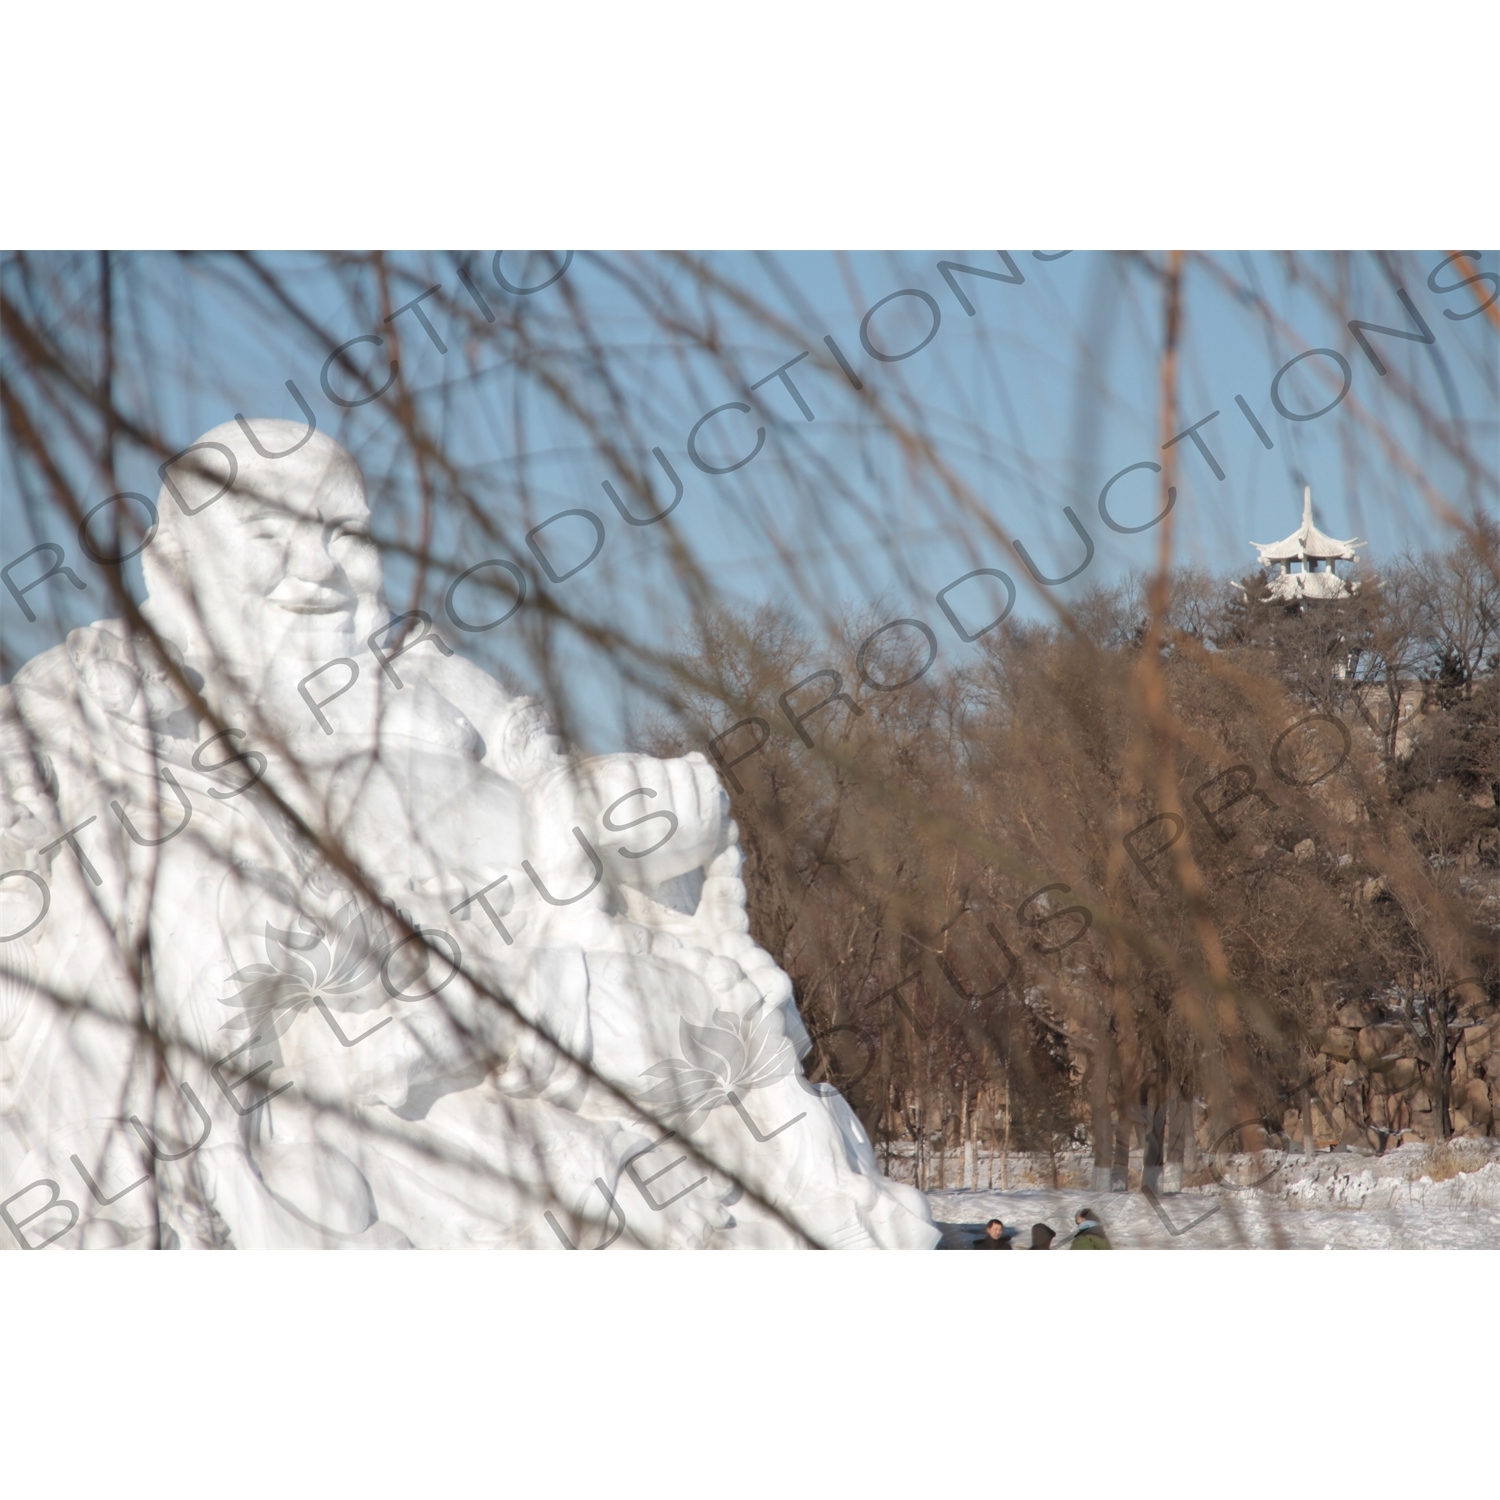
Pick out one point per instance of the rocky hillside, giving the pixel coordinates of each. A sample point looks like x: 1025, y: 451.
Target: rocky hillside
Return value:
x: 1373, y: 1078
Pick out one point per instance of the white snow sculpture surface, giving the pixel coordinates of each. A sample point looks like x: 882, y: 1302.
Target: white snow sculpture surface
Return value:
x: 326, y: 1080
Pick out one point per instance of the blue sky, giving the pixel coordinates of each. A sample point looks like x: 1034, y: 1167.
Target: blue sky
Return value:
x: 1034, y: 401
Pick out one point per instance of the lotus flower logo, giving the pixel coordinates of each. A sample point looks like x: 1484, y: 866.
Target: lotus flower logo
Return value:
x: 306, y: 967
x: 16, y: 990
x: 720, y: 1063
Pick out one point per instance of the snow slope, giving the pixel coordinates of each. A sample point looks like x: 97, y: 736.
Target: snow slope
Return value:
x: 1335, y: 1202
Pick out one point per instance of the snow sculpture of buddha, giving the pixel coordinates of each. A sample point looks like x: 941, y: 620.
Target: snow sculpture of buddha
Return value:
x: 362, y: 891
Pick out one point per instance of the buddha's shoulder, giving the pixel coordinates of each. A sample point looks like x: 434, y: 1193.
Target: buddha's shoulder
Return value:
x: 50, y: 682
x: 61, y: 665
x: 42, y: 722
x: 102, y: 665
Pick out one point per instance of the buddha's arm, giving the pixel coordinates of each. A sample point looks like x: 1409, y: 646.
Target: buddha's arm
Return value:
x: 604, y: 794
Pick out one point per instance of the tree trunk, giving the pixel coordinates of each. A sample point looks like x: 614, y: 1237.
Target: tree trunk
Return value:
x: 1119, y: 1167
x: 1005, y: 1156
x: 1154, y: 1128
x: 1101, y: 1125
x: 1442, y: 1077
x: 1172, y: 1113
x: 966, y: 1174
x: 990, y: 1142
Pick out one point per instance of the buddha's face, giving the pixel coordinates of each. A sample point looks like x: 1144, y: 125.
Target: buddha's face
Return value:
x: 316, y: 563
x: 281, y: 565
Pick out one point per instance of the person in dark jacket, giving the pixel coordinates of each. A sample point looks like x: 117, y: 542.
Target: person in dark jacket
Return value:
x: 996, y: 1237
x: 1041, y: 1237
x: 1090, y: 1233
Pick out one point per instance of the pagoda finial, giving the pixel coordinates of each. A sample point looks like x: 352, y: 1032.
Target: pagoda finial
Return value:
x: 1307, y: 519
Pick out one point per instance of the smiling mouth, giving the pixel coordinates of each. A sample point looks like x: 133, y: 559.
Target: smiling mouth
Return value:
x: 315, y: 606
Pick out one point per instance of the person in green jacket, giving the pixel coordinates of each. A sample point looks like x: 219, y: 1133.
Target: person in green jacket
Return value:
x: 1090, y: 1233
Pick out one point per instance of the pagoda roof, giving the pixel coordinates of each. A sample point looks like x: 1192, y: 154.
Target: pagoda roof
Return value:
x: 1290, y: 586
x: 1306, y: 541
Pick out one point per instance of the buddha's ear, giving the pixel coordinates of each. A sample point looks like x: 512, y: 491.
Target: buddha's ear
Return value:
x: 164, y: 561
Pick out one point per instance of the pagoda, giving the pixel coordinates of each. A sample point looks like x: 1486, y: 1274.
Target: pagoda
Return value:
x: 1302, y: 565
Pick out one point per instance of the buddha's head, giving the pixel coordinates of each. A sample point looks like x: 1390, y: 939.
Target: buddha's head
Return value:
x: 260, y: 559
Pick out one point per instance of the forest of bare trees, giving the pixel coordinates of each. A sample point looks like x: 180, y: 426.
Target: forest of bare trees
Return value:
x: 973, y: 884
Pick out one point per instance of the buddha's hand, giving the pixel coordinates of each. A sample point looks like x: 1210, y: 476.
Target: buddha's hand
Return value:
x: 650, y: 819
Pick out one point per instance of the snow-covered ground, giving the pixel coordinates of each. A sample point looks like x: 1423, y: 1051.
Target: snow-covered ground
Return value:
x: 1337, y: 1201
